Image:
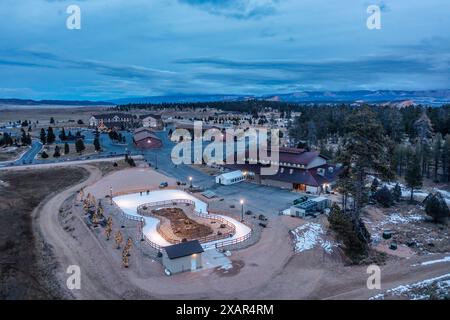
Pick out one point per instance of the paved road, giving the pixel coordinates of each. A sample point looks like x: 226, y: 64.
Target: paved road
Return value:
x: 110, y: 149
x: 27, y: 157
x: 258, y: 198
x: 161, y: 159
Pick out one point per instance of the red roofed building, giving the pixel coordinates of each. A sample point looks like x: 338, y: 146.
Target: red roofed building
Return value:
x: 146, y: 139
x: 301, y: 170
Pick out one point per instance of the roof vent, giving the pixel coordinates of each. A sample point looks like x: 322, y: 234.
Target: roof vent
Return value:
x: 321, y: 171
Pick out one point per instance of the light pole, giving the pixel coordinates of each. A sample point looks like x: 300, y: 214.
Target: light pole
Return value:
x: 190, y: 182
x: 111, y: 195
x: 242, y: 210
x: 156, y: 162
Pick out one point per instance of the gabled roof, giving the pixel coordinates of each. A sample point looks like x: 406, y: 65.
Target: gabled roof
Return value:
x: 295, y: 156
x: 309, y: 177
x: 144, y: 134
x: 190, y: 126
x: 111, y: 115
x: 232, y: 174
x: 142, y: 129
x: 183, y: 249
x: 155, y: 116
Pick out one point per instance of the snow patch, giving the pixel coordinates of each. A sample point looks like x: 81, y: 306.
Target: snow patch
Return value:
x: 396, y: 218
x: 226, y: 267
x: 308, y: 236
x: 426, y: 263
x: 442, y: 283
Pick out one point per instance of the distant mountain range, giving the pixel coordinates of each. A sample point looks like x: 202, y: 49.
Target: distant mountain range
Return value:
x: 430, y: 97
x: 30, y: 102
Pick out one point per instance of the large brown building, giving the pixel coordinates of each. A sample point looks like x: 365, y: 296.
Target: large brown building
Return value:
x: 301, y: 170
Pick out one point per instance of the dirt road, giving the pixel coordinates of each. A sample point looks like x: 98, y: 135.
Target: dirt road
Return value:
x: 267, y: 270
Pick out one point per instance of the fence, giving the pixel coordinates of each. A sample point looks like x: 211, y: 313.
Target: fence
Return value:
x: 143, y: 190
x: 141, y: 220
x: 174, y: 202
x: 233, y: 241
x: 200, y: 214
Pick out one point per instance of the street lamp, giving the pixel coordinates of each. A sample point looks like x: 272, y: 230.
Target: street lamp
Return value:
x: 111, y: 194
x: 242, y: 210
x: 190, y: 182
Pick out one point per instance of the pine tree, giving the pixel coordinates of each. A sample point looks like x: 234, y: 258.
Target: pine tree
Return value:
x: 424, y: 131
x: 374, y: 186
x: 57, y: 152
x: 50, y: 135
x: 6, y: 140
x: 79, y: 146
x: 29, y: 141
x: 97, y: 144
x: 446, y: 158
x: 354, y: 235
x: 25, y: 138
x: 397, y: 193
x: 413, y: 175
x: 365, y: 151
x: 423, y: 127
x: 66, y: 148
x: 437, y: 154
x: 63, y: 135
x: 52, y: 121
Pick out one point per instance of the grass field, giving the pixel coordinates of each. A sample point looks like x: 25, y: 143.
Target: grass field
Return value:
x: 26, y: 264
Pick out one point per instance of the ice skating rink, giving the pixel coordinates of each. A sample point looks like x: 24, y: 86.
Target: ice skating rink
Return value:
x: 129, y: 203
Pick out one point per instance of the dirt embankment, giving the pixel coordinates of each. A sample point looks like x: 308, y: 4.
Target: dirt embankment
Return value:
x: 26, y: 262
x: 182, y: 226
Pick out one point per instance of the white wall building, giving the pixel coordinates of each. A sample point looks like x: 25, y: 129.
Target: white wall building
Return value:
x: 230, y: 177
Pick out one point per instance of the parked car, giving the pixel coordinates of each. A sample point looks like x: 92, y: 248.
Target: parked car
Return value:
x: 163, y: 185
x: 262, y: 217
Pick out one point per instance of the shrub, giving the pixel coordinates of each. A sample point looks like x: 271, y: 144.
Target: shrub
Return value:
x: 44, y: 155
x: 374, y: 186
x: 436, y: 207
x: 397, y: 193
x: 384, y: 197
x: 131, y: 162
x: 353, y: 234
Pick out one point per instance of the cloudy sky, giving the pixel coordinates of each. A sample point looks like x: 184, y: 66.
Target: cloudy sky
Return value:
x: 129, y: 48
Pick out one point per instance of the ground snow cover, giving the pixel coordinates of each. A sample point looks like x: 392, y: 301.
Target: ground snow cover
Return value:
x: 307, y: 236
x: 396, y: 218
x: 426, y: 263
x: 406, y: 192
x: 419, y: 290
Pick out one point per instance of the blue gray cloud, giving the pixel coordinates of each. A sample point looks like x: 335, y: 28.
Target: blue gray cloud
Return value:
x: 237, y: 9
x: 154, y: 47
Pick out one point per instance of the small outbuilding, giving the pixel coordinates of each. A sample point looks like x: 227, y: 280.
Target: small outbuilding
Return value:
x: 311, y: 205
x: 230, y: 177
x: 184, y: 256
